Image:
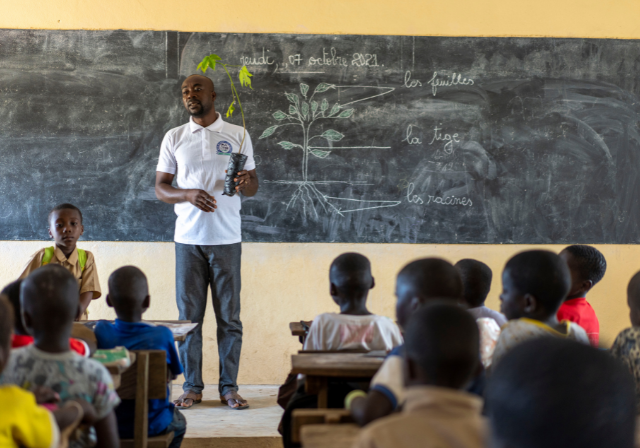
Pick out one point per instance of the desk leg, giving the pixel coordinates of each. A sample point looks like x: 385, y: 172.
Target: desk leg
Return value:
x: 317, y: 385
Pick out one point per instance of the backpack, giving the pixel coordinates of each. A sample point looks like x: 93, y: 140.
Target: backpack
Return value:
x: 48, y: 256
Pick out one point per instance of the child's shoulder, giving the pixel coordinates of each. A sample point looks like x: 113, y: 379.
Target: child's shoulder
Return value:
x: 16, y: 394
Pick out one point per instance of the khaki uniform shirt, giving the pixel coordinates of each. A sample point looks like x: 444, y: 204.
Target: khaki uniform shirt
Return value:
x: 432, y: 417
x: 87, y: 279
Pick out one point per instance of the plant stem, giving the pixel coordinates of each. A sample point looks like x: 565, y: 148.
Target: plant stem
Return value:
x: 237, y: 98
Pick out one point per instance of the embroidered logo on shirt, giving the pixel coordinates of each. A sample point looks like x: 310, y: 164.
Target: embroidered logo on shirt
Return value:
x: 224, y: 148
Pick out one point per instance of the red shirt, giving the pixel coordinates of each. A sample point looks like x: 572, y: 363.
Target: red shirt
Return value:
x: 580, y: 312
x: 78, y: 346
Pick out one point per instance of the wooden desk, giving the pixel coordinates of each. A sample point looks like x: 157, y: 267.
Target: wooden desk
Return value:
x: 299, y: 330
x: 117, y: 371
x: 81, y: 331
x: 319, y: 368
x: 329, y: 436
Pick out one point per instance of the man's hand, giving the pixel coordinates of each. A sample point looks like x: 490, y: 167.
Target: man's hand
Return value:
x: 45, y: 395
x: 247, y: 182
x: 201, y: 199
x: 242, y: 180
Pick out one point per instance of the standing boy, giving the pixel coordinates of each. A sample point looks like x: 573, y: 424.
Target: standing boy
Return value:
x: 65, y: 227
x: 587, y: 266
x: 129, y: 295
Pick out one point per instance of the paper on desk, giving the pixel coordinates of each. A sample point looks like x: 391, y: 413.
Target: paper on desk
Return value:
x: 178, y: 329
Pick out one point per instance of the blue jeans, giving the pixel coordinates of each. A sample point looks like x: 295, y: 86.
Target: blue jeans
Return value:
x: 197, y: 269
x: 179, y: 427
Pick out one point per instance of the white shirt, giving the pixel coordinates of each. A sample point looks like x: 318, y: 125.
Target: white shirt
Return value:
x: 199, y: 157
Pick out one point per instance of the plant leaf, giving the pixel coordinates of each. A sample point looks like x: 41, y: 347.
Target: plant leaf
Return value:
x: 279, y: 115
x: 323, y: 87
x: 304, y: 88
x: 324, y: 106
x: 293, y: 110
x: 209, y: 61
x: 267, y: 132
x: 332, y: 136
x: 288, y: 145
x: 293, y: 98
x: 245, y: 77
x: 314, y: 106
x: 305, y: 109
x: 230, y: 110
x: 320, y: 153
x: 346, y: 113
x: 334, y: 110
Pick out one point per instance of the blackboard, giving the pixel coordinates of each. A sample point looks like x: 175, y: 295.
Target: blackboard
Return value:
x: 383, y: 139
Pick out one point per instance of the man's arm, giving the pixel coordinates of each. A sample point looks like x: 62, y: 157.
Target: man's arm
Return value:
x: 171, y: 195
x: 247, y: 183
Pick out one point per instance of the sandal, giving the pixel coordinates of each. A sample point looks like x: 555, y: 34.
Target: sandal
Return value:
x: 233, y: 396
x: 181, y: 402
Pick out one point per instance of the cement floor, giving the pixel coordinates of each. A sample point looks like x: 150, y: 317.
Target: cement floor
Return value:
x: 212, y: 424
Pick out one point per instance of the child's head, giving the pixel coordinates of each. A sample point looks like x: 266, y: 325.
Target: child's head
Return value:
x: 633, y: 299
x: 6, y: 327
x: 557, y: 393
x: 534, y: 285
x: 65, y: 225
x: 350, y: 277
x: 442, y: 346
x: 50, y: 300
x: 423, y: 280
x: 476, y: 281
x: 12, y: 292
x: 587, y: 266
x: 128, y: 293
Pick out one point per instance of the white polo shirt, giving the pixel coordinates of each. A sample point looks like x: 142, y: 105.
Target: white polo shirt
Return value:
x: 198, y: 157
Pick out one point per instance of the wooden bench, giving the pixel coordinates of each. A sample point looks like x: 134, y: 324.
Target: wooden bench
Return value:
x: 304, y: 417
x: 145, y: 380
x: 300, y: 329
x: 329, y: 436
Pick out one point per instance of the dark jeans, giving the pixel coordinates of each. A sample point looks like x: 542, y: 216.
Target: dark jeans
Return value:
x: 197, y: 269
x: 179, y: 427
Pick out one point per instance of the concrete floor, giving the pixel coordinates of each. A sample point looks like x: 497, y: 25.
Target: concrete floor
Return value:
x: 212, y: 424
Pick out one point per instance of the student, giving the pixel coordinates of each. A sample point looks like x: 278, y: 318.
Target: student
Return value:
x: 49, y: 304
x: 626, y: 347
x: 534, y: 284
x: 419, y: 282
x: 20, y: 337
x: 129, y: 295
x: 441, y: 356
x: 22, y: 421
x: 65, y: 227
x: 355, y: 327
x: 476, y: 284
x: 554, y: 393
x: 587, y: 266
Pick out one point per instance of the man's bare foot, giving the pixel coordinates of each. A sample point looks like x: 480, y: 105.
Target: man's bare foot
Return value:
x: 187, y: 400
x: 234, y: 400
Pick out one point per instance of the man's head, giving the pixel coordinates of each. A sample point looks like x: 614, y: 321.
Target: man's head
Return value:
x: 128, y: 293
x: 476, y: 281
x: 587, y: 266
x: 50, y: 300
x: 633, y: 299
x: 65, y: 225
x: 350, y: 277
x: 557, y: 393
x: 6, y: 327
x: 12, y: 292
x: 534, y: 285
x: 424, y: 280
x: 441, y: 346
x: 198, y: 95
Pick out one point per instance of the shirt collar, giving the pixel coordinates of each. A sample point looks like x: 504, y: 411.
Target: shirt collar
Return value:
x: 441, y: 399
x: 124, y: 325
x: 73, y: 258
x: 215, y: 126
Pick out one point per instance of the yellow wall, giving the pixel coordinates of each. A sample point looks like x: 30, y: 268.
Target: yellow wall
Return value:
x: 286, y: 282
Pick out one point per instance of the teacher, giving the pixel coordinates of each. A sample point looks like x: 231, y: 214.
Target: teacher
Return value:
x: 208, y: 233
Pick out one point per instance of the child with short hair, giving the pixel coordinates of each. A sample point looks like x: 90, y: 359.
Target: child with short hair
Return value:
x: 476, y: 284
x: 626, y: 346
x: 49, y: 304
x: 440, y: 357
x: 554, y: 393
x: 587, y: 266
x: 534, y: 284
x: 65, y: 227
x: 20, y: 337
x: 129, y: 296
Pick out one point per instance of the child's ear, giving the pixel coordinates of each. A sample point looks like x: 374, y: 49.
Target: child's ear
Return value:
x: 587, y: 285
x: 27, y: 322
x: 373, y: 283
x: 146, y: 302
x: 530, y: 304
x: 109, y: 304
x: 50, y: 234
x: 414, y: 304
x: 81, y: 229
x: 333, y: 290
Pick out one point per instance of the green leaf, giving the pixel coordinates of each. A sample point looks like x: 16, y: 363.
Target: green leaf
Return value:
x: 323, y: 87
x: 293, y: 110
x: 293, y: 98
x: 245, y: 77
x: 209, y: 61
x: 267, y: 132
x: 288, y: 145
x: 304, y: 88
x: 334, y: 110
x: 314, y: 106
x: 305, y: 109
x: 230, y: 110
x: 346, y: 113
x: 279, y: 115
x: 324, y: 106
x: 320, y: 153
x: 332, y: 136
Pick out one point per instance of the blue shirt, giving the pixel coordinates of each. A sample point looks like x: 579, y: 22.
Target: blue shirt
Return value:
x: 141, y: 336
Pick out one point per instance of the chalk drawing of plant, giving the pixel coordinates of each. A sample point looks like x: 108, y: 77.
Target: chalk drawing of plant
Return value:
x: 304, y: 112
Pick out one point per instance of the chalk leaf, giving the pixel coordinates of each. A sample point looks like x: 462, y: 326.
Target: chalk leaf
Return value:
x: 293, y: 98
x: 288, y: 145
x: 346, y: 113
x: 320, y: 153
x: 304, y: 88
x: 332, y: 136
x: 334, y: 110
x: 279, y: 115
x: 314, y: 106
x: 305, y: 109
x: 323, y: 87
x: 324, y: 105
x: 267, y: 132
